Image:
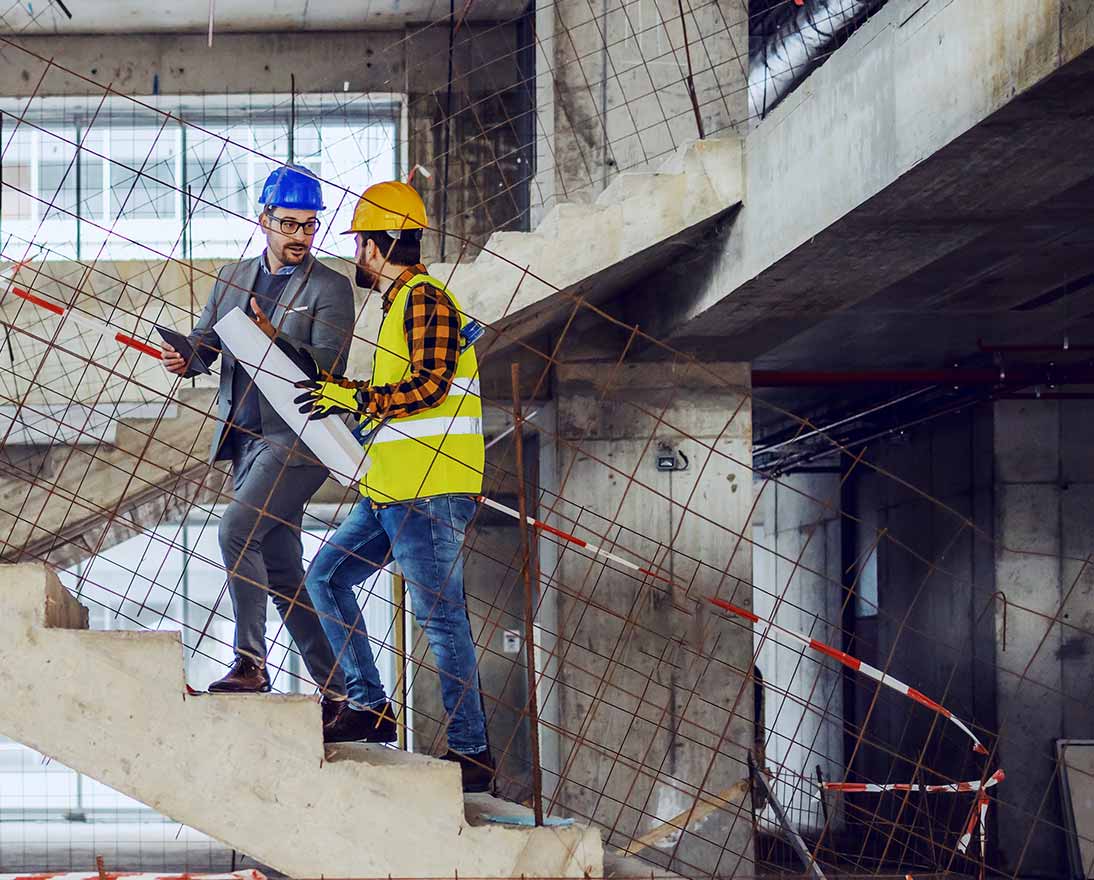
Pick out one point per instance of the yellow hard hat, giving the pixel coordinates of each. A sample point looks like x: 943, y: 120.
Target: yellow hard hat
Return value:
x: 391, y: 205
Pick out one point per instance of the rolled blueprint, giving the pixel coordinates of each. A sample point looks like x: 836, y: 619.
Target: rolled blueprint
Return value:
x: 274, y: 373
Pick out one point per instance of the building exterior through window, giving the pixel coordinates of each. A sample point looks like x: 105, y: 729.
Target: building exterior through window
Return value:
x: 183, y: 187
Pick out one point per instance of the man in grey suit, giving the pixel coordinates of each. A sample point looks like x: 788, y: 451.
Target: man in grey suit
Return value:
x: 289, y: 295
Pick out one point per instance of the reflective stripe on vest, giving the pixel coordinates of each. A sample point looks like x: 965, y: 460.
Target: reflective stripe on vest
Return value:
x: 405, y: 429
x: 463, y: 386
x: 438, y: 451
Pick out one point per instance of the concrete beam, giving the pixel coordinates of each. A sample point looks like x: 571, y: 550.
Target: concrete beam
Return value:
x: 411, y: 60
x: 185, y: 64
x: 841, y: 197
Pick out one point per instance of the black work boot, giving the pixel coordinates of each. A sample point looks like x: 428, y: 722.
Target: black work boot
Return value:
x: 375, y: 725
x: 331, y: 710
x: 477, y: 770
x: 245, y: 677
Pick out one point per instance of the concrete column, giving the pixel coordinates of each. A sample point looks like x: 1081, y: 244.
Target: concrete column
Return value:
x: 1044, y: 497
x: 653, y: 691
x: 798, y: 571
x: 612, y: 93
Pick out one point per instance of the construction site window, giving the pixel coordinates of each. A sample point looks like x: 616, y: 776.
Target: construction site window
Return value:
x: 180, y: 177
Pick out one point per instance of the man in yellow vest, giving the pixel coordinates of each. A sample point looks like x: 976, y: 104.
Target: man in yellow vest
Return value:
x: 421, y: 415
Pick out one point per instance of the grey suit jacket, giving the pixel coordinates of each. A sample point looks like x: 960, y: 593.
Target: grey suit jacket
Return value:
x: 316, y: 313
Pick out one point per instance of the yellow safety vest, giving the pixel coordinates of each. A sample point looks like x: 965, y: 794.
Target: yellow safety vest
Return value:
x: 439, y: 451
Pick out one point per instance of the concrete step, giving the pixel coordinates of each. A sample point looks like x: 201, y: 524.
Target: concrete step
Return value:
x: 616, y: 864
x: 572, y: 219
x: 153, y: 657
x: 511, y: 247
x: 480, y: 807
x: 250, y: 771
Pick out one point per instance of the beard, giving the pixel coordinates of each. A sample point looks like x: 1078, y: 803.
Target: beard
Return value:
x: 364, y: 278
x: 293, y: 255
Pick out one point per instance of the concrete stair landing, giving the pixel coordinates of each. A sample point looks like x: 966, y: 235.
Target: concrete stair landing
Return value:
x: 250, y: 771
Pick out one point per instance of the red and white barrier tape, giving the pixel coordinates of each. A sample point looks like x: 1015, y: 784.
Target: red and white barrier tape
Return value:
x: 958, y: 787
x: 979, y: 817
x: 541, y: 526
x: 85, y: 322
x: 857, y: 665
x: 901, y: 688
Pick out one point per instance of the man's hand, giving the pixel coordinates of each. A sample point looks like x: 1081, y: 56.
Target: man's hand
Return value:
x: 320, y: 398
x: 261, y: 321
x: 173, y: 362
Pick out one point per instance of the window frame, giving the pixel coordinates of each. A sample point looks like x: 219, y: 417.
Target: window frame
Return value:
x: 104, y: 235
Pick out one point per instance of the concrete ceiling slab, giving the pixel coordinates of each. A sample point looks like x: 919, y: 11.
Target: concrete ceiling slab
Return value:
x: 192, y: 16
x: 988, y: 238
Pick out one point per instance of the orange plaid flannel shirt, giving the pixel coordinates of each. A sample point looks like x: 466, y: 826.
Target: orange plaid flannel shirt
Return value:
x: 432, y: 327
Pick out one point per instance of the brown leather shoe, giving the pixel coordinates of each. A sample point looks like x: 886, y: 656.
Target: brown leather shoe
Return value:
x: 331, y: 710
x: 245, y: 677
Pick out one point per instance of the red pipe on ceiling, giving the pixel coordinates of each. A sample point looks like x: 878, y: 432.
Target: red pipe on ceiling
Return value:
x: 1047, y: 374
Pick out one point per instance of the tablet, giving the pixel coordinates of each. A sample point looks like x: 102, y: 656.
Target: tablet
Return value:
x: 182, y: 345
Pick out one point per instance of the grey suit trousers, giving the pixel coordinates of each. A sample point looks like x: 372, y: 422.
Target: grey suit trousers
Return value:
x: 260, y: 543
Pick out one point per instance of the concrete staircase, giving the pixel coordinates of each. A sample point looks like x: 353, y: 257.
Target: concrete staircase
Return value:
x: 64, y: 501
x: 514, y: 284
x: 250, y: 771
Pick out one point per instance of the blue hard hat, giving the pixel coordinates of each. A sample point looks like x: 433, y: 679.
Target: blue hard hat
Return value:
x: 294, y: 187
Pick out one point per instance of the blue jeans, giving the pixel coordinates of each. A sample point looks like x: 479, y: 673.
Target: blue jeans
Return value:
x: 425, y: 536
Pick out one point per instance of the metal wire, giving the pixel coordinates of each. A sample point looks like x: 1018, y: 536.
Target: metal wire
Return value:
x: 630, y: 713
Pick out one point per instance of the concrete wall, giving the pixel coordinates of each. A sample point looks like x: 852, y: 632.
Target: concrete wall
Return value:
x: 611, y: 90
x: 1003, y: 499
x: 797, y: 569
x: 926, y: 506
x: 655, y: 703
x: 1044, y: 521
x: 490, y: 141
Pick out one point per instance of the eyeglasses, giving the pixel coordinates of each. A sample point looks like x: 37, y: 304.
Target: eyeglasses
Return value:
x: 291, y: 227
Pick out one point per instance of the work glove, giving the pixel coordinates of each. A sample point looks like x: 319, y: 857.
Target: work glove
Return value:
x: 325, y: 396
x: 298, y: 356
